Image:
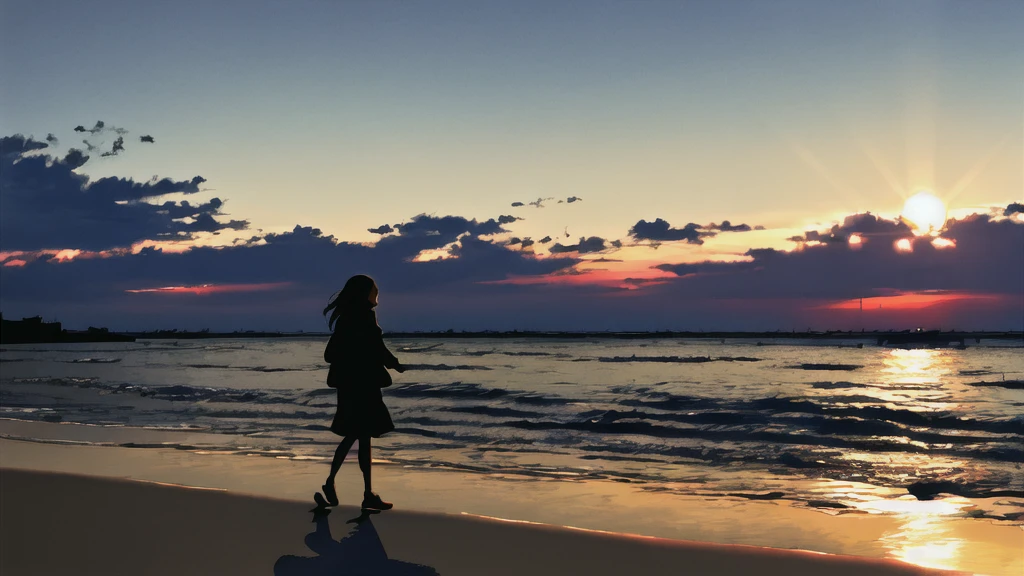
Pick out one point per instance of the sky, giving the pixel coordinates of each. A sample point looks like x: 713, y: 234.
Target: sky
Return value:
x: 691, y: 165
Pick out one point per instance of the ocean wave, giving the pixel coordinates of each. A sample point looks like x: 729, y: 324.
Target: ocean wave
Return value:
x: 413, y: 349
x: 670, y: 359
x: 831, y: 367
x: 444, y: 367
x: 1008, y: 384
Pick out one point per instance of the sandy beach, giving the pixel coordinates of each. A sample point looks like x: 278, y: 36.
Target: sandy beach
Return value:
x: 57, y: 523
x: 114, y: 510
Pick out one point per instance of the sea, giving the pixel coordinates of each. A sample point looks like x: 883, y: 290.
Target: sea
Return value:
x: 834, y: 425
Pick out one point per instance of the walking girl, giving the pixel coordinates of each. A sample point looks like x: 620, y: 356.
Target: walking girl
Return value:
x: 359, y: 362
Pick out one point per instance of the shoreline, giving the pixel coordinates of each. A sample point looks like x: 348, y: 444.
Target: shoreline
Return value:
x: 937, y: 337
x: 57, y: 522
x: 922, y: 536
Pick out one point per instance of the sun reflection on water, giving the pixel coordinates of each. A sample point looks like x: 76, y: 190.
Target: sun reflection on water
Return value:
x: 920, y: 366
x: 912, y: 379
x: 917, y: 380
x: 925, y: 535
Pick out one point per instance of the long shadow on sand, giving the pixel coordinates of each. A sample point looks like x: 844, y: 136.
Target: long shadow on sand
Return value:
x: 360, y: 553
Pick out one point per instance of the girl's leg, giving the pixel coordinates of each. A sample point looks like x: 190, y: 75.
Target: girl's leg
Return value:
x: 364, y: 463
x: 339, y: 457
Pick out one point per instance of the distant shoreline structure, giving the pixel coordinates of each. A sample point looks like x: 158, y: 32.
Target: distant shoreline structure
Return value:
x: 34, y: 331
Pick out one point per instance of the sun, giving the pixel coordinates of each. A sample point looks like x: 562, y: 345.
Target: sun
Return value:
x: 925, y: 213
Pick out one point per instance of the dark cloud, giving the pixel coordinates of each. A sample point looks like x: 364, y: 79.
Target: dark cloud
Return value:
x: 507, y: 219
x: 17, y: 145
x: 602, y: 260
x: 572, y: 199
x: 866, y: 225
x: 662, y: 231
x: 382, y: 229
x: 116, y: 149
x: 726, y: 226
x: 517, y: 204
x: 52, y: 139
x: 100, y: 125
x: 46, y: 205
x: 75, y: 158
x: 539, y: 202
x: 89, y: 146
x: 545, y: 240
x: 1015, y: 208
x: 425, y: 232
x: 313, y: 264
x: 516, y: 241
x: 759, y: 227
x: 584, y: 246
x: 94, y: 130
x: 146, y: 138
x: 617, y: 243
x: 986, y: 258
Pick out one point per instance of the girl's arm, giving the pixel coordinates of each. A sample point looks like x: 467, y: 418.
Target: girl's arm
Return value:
x: 386, y: 357
x: 332, y: 352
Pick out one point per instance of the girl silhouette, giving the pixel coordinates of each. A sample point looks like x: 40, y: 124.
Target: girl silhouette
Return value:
x: 359, y: 369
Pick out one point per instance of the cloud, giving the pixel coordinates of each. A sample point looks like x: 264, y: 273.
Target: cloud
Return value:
x: 313, y: 264
x: 661, y: 231
x: 1015, y: 208
x: 517, y: 204
x: 726, y: 226
x: 100, y: 125
x: 584, y: 246
x: 526, y: 243
x: 986, y: 258
x: 49, y: 206
x: 89, y: 146
x: 545, y: 240
x: 17, y: 144
x: 52, y: 139
x: 117, y: 148
x: 146, y: 138
x: 75, y: 158
x: 539, y: 202
x: 382, y: 229
x: 507, y: 219
x: 572, y: 199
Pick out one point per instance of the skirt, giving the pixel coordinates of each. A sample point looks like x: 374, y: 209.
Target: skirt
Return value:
x: 361, y: 413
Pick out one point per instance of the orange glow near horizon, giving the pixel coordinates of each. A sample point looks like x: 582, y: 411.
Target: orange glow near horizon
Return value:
x: 942, y: 243
x: 609, y: 274
x: 14, y: 263
x: 904, y: 245
x: 205, y: 289
x: 908, y: 301
x: 66, y: 255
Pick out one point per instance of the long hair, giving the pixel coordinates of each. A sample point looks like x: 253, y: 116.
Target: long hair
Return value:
x: 354, y: 295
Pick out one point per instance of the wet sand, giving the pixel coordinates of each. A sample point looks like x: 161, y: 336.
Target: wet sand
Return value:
x: 258, y: 508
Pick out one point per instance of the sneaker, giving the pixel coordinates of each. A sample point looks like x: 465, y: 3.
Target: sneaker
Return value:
x: 332, y: 496
x: 372, y: 501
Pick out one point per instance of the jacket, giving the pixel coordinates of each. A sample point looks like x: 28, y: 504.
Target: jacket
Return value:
x: 357, y: 353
